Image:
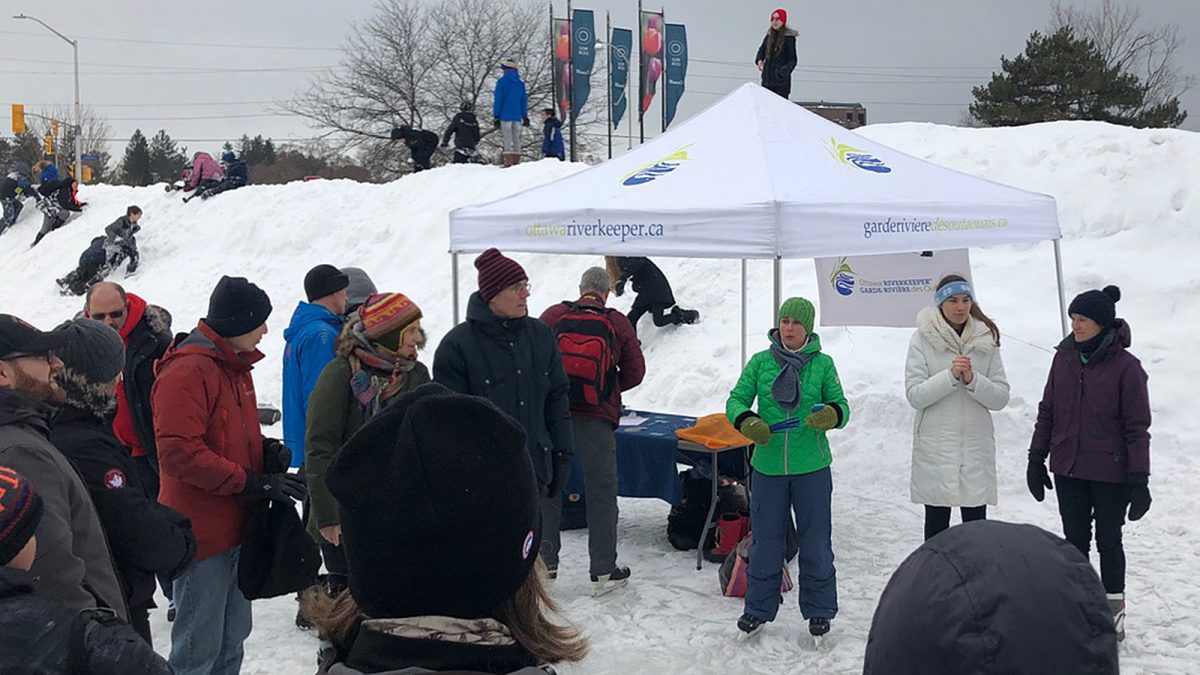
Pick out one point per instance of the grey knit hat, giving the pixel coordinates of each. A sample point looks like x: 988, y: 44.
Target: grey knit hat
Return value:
x: 361, y: 287
x: 92, y: 358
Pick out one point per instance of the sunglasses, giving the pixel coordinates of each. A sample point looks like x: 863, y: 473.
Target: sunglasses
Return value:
x: 47, y: 355
x: 100, y: 316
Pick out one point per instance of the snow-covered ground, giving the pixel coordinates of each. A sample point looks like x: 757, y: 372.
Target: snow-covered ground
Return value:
x: 1128, y: 205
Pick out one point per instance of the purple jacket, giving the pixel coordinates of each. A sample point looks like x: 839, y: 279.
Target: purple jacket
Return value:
x: 204, y: 167
x: 1094, y: 419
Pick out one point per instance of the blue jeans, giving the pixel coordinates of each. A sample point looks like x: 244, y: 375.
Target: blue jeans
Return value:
x: 810, y: 496
x: 212, y: 620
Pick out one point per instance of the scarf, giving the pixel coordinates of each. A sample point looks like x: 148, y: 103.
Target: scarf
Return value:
x: 376, y: 372
x: 786, y: 387
x: 1088, y: 349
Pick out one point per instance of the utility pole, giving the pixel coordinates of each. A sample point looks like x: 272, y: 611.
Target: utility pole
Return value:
x: 78, y: 109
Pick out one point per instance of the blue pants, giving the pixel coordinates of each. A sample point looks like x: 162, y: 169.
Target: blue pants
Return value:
x: 809, y: 495
x: 213, y: 618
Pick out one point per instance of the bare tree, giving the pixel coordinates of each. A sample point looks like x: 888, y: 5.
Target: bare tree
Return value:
x: 415, y: 64
x: 1149, y: 52
x: 96, y: 131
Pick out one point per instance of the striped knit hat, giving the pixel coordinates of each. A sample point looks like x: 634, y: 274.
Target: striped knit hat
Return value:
x: 386, y: 316
x: 20, y: 513
x: 496, y: 273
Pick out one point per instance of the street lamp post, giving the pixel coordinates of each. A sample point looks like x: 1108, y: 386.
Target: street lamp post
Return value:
x: 78, y: 110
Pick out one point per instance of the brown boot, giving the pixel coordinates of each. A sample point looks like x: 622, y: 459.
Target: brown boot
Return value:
x: 516, y: 158
x: 506, y: 160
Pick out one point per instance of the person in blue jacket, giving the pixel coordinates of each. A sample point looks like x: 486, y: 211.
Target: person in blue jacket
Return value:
x: 310, y: 340
x: 552, y: 138
x: 510, y: 105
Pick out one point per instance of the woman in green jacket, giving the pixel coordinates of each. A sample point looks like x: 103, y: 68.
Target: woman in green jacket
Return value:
x: 375, y: 362
x: 799, y: 399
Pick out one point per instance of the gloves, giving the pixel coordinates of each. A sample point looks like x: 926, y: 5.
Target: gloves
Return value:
x: 277, y: 457
x: 1139, y: 501
x: 496, y: 122
x: 130, y: 269
x: 524, y: 121
x: 823, y: 418
x: 281, y: 487
x: 1038, y: 479
x: 754, y: 428
x: 562, y: 474
x: 619, y: 288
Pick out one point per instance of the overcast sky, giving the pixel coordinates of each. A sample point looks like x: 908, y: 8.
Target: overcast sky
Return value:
x: 903, y: 60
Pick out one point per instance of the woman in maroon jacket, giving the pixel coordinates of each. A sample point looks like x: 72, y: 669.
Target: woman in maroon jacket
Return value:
x: 1094, y: 422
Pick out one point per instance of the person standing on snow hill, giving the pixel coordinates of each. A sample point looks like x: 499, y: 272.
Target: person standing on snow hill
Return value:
x: 422, y: 144
x: 59, y: 201
x: 653, y: 292
x: 308, y: 345
x: 465, y: 130
x: 14, y: 189
x: 211, y: 454
x: 510, y: 106
x: 992, y: 598
x: 1094, y: 424
x: 512, y: 359
x: 146, y: 537
x: 552, y: 138
x: 800, y: 395
x: 473, y: 598
x: 954, y: 378
x: 376, y: 362
x: 41, y: 636
x: 776, y: 57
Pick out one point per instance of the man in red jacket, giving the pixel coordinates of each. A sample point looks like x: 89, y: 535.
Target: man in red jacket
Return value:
x: 594, y: 421
x: 210, y: 454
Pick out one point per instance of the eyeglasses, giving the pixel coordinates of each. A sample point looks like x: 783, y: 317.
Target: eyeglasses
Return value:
x: 48, y: 356
x: 114, y: 315
x: 521, y: 286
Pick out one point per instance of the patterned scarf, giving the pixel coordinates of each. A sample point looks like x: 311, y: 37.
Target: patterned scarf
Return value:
x: 787, y: 385
x: 376, y: 372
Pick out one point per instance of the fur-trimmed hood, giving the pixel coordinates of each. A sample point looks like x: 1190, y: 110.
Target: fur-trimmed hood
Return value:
x: 95, y: 398
x: 975, y: 338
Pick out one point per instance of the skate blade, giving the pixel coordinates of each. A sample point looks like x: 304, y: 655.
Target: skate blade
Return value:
x: 602, y: 588
x: 743, y: 636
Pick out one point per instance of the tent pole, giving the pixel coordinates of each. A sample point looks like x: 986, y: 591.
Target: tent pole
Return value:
x: 743, y: 312
x: 454, y: 284
x: 778, y: 286
x: 1062, y: 287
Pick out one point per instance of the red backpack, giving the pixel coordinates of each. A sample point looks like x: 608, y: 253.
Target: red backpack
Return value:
x: 585, y: 339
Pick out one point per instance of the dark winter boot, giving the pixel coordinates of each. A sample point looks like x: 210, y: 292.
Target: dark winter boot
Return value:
x: 750, y: 625
x: 818, y: 627
x: 607, y: 583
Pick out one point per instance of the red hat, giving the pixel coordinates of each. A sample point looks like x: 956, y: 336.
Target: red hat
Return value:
x: 496, y: 273
x: 780, y: 14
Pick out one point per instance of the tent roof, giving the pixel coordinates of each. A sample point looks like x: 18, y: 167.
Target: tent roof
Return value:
x: 755, y: 176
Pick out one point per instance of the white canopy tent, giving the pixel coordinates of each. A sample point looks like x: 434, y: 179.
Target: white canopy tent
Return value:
x: 757, y: 177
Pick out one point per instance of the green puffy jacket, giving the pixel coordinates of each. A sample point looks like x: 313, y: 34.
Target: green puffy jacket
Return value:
x: 801, y: 450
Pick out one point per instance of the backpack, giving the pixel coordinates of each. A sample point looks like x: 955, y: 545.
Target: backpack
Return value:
x: 585, y: 339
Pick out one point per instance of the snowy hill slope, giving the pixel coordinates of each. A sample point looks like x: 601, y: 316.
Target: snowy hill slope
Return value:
x: 1130, y: 212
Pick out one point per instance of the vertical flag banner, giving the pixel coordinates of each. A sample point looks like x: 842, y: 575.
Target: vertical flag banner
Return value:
x: 676, y: 70
x: 651, y: 57
x: 561, y: 73
x: 884, y: 290
x: 618, y: 59
x: 583, y: 29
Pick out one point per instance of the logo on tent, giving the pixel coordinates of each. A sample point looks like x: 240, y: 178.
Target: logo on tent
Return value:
x: 842, y: 278
x: 852, y: 156
x: 658, y: 169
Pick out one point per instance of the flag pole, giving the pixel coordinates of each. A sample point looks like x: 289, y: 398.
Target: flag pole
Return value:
x: 608, y: 80
x: 641, y: 80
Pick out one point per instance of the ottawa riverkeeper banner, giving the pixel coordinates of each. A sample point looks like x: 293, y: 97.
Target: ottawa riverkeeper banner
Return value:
x: 884, y: 290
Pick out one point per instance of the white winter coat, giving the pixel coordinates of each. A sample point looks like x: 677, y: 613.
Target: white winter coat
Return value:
x: 954, y: 446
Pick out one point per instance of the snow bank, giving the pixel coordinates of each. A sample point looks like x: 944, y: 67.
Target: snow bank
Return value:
x: 1130, y: 216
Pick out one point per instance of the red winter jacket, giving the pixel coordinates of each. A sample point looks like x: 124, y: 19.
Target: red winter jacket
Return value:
x: 207, y: 432
x: 627, y: 354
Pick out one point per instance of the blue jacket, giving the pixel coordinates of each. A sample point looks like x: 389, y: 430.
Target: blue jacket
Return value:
x: 509, y: 102
x: 552, y: 138
x: 310, y: 339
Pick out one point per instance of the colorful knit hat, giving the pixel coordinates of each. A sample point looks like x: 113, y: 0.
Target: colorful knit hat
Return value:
x: 20, y: 513
x: 801, y: 310
x: 386, y: 316
x: 497, y: 272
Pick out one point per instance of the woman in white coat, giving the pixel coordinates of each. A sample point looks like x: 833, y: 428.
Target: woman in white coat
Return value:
x: 954, y: 378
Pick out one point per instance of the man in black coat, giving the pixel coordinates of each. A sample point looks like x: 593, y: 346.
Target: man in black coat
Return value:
x: 422, y: 144
x: 653, y: 294
x: 465, y: 130
x: 146, y: 537
x: 502, y: 354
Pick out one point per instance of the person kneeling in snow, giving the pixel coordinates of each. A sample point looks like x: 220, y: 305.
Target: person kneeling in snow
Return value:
x: 474, y: 598
x: 96, y: 262
x: 236, y: 175
x: 653, y: 289
x: 422, y: 144
x: 203, y: 175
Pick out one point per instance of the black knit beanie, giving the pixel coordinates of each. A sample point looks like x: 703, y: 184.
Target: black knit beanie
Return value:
x: 440, y: 516
x: 324, y: 280
x: 1099, y: 306
x: 237, y: 307
x: 20, y: 513
x: 93, y: 357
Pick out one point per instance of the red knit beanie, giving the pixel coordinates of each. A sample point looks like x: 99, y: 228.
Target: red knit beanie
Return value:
x: 780, y: 14
x: 496, y: 273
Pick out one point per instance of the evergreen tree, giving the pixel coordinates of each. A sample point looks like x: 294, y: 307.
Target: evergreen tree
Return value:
x: 228, y: 147
x: 257, y: 151
x: 1062, y: 77
x: 167, y: 159
x: 135, y: 168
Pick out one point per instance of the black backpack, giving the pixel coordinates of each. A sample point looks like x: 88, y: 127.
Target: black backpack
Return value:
x: 585, y: 338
